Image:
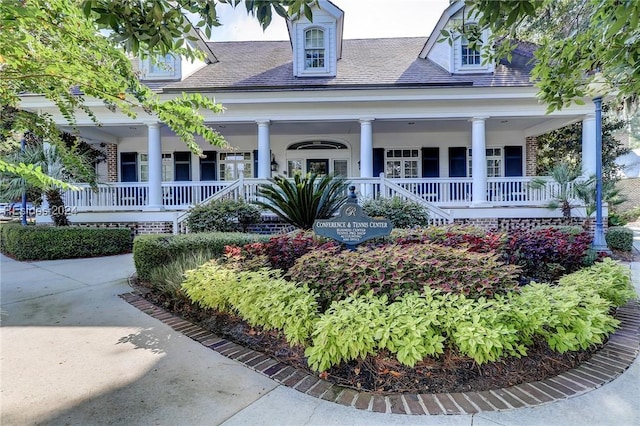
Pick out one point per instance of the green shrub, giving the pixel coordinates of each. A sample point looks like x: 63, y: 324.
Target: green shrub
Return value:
x: 262, y: 298
x: 223, y: 216
x: 394, y: 270
x: 570, y: 316
x: 619, y: 238
x: 631, y: 215
x: 167, y: 279
x: 401, y: 213
x: 152, y: 251
x: 48, y: 242
x: 412, y: 328
x: 347, y: 331
x: 607, y: 278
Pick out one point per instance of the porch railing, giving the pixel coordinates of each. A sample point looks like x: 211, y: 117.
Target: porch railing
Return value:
x: 129, y: 196
x: 438, y: 194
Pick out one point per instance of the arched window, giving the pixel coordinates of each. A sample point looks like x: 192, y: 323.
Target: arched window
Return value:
x: 314, y: 50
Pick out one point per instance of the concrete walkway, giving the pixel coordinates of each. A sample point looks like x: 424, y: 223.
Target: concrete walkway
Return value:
x: 74, y: 353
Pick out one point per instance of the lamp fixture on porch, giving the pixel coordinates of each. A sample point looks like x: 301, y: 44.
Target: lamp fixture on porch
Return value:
x: 597, y: 88
x: 274, y: 163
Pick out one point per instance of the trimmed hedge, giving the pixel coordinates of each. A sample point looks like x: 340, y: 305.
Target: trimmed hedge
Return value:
x: 152, y: 251
x: 619, y: 238
x: 64, y: 242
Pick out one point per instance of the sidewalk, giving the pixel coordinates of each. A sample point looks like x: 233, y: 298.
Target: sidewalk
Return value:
x: 73, y: 352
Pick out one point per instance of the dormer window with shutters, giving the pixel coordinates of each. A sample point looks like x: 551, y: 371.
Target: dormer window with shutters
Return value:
x: 317, y: 45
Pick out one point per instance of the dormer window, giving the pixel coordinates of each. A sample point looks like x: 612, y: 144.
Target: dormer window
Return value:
x: 467, y: 52
x: 469, y: 55
x: 314, y: 49
x: 317, y: 45
x: 163, y: 68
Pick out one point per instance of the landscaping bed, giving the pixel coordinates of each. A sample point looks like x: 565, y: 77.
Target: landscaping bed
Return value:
x: 383, y: 374
x: 424, y: 311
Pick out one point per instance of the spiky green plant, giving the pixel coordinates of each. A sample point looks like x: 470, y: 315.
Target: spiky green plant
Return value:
x: 55, y: 162
x: 586, y: 192
x: 564, y: 175
x: 303, y: 199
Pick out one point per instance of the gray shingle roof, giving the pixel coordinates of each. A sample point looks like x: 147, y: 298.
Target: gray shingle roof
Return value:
x: 384, y: 62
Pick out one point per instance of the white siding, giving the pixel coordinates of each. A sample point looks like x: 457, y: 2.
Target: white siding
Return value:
x: 441, y: 55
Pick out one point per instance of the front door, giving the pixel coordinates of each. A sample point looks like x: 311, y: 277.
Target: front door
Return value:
x: 318, y: 166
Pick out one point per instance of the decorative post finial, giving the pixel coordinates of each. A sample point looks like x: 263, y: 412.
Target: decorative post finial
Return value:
x: 351, y: 196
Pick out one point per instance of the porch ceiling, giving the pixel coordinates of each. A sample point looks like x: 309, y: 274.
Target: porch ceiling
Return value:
x: 111, y: 133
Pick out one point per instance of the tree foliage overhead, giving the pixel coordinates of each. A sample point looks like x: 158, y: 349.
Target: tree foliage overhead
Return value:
x: 54, y: 48
x: 51, y: 48
x: 575, y: 39
x: 565, y: 145
x: 162, y: 26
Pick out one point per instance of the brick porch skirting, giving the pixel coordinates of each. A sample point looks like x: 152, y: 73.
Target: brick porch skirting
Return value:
x: 605, y: 365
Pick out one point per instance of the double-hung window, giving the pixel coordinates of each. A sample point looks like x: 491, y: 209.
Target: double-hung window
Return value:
x: 314, y: 49
x: 494, y: 162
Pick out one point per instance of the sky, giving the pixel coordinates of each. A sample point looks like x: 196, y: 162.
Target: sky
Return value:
x: 362, y: 19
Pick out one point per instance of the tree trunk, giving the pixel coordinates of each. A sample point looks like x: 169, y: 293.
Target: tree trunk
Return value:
x: 56, y: 207
x: 566, y: 211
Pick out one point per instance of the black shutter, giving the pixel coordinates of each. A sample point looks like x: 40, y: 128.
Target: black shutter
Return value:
x: 128, y: 167
x: 513, y: 161
x: 182, y: 166
x: 255, y: 163
x: 208, y: 165
x: 458, y: 161
x: 378, y: 161
x: 430, y: 162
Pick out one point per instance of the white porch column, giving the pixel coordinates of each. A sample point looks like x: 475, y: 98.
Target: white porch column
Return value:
x: 154, y: 201
x: 589, y: 145
x: 366, y: 147
x: 479, y: 160
x: 264, y: 149
x: 366, y: 154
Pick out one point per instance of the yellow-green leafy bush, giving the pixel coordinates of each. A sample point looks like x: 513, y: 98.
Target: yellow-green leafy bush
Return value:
x: 262, y: 298
x: 572, y: 315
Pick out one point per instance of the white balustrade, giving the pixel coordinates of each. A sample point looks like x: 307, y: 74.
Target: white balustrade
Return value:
x: 445, y: 192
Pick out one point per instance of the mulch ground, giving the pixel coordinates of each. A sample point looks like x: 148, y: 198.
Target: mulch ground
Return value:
x: 451, y: 372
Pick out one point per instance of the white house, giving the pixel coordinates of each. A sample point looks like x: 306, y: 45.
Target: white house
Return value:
x: 410, y: 116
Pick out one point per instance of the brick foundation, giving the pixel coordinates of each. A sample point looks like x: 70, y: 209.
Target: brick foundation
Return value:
x: 137, y: 228
x: 270, y: 226
x: 508, y: 224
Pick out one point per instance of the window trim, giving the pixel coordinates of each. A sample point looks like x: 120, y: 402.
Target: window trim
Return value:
x: 403, y: 160
x: 328, y: 52
x: 487, y: 158
x: 457, y: 55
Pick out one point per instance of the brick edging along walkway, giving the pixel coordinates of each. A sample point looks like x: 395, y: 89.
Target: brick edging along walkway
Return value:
x: 608, y: 363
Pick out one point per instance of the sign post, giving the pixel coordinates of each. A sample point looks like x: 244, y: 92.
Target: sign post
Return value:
x: 352, y: 226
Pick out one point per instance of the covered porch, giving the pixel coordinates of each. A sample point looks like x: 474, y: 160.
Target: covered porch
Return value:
x: 447, y: 199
